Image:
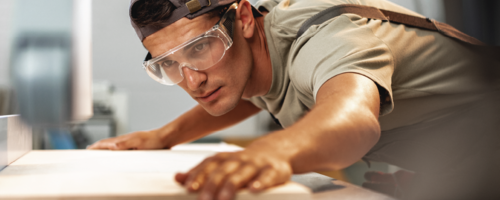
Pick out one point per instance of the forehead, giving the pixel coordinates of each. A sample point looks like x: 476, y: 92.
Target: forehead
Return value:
x: 177, y: 33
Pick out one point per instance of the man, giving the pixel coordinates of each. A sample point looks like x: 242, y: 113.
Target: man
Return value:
x: 347, y: 89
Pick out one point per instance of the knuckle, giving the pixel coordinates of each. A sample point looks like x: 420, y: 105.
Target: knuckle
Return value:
x: 217, y: 177
x: 234, y: 181
x: 244, y: 158
x: 197, y: 176
x: 119, y: 145
x: 118, y: 142
x: 221, y: 156
x: 230, y: 165
x: 211, y: 158
x: 200, y: 177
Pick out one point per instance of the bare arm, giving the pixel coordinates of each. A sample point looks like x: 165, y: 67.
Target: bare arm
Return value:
x: 192, y: 125
x: 340, y: 129
x: 337, y: 132
x: 197, y: 123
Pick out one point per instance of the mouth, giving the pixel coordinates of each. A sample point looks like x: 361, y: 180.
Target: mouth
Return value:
x: 213, y: 95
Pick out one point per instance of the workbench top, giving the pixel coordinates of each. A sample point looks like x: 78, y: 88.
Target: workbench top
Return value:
x: 100, y: 174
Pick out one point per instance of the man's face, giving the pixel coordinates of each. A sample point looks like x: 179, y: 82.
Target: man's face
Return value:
x: 219, y: 88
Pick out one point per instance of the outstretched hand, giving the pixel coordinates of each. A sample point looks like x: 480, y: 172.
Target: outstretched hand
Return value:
x: 222, y: 175
x: 136, y: 140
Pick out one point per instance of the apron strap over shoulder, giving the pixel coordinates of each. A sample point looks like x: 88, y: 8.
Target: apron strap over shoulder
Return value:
x: 390, y: 16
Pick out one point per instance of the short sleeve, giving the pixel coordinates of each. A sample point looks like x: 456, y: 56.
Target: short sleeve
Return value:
x: 342, y: 45
x: 266, y: 4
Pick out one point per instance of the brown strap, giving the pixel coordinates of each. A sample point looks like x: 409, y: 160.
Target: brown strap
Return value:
x: 449, y: 31
x: 385, y: 15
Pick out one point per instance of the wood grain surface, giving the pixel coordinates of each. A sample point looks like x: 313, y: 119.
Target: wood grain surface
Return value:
x: 96, y: 175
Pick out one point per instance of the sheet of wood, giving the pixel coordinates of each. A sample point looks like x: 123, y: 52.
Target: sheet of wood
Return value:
x: 3, y: 142
x: 19, y: 138
x: 15, y: 139
x: 82, y: 174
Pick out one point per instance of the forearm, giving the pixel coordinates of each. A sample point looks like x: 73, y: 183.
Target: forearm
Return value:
x: 197, y: 123
x: 341, y: 128
x: 314, y: 144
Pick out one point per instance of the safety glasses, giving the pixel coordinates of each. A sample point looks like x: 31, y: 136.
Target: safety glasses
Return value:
x: 199, y: 53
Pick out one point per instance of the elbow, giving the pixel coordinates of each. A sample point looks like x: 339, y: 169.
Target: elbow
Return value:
x: 361, y: 140
x: 368, y: 135
x: 373, y: 132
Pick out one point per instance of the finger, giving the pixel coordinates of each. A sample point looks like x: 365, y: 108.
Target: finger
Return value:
x: 215, y: 158
x: 236, y: 181
x: 215, y: 180
x: 94, y: 146
x: 197, y: 176
x: 101, y: 145
x: 269, y: 177
x: 125, y: 144
x: 181, y: 178
x: 200, y: 167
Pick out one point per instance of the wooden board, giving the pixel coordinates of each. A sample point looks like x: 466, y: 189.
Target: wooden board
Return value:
x: 82, y: 174
x: 3, y: 142
x: 19, y: 138
x: 15, y: 139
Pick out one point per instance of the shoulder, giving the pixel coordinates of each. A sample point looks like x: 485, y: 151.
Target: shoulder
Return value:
x: 341, y: 45
x: 337, y: 45
x: 290, y: 14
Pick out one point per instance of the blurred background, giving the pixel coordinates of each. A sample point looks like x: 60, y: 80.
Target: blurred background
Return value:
x: 127, y: 100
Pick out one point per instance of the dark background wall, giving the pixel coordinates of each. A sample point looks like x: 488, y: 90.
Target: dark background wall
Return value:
x: 478, y: 18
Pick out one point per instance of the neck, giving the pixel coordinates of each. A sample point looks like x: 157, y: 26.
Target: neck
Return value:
x: 261, y: 78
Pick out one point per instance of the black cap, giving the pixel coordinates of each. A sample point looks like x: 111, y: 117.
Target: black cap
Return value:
x: 189, y: 9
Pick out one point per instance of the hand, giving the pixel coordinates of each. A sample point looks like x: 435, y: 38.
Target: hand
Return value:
x: 136, y: 140
x: 220, y: 176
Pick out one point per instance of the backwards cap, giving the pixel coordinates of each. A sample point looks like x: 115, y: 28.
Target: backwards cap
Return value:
x: 184, y: 8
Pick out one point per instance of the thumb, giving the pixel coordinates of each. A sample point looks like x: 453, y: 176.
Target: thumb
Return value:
x: 101, y: 145
x: 125, y: 144
x: 181, y: 178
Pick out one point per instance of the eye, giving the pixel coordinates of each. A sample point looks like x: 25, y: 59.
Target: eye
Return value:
x: 200, y: 47
x: 168, y: 63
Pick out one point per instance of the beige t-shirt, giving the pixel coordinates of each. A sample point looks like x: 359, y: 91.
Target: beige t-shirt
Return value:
x: 422, y: 75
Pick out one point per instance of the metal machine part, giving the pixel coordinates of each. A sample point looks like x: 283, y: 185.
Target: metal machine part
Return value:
x: 51, y: 65
x: 41, y: 72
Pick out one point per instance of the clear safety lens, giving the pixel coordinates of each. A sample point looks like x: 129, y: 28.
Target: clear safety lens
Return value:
x: 198, y: 54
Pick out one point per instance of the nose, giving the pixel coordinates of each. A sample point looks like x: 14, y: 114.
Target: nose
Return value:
x: 194, y: 79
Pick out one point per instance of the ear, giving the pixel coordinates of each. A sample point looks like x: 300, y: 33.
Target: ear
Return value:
x: 245, y: 15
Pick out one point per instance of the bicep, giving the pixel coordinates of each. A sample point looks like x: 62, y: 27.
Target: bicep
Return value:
x: 351, y: 91
x: 341, y: 127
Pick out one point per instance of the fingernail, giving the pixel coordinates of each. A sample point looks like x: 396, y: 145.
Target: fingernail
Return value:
x: 256, y: 185
x: 194, y: 186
